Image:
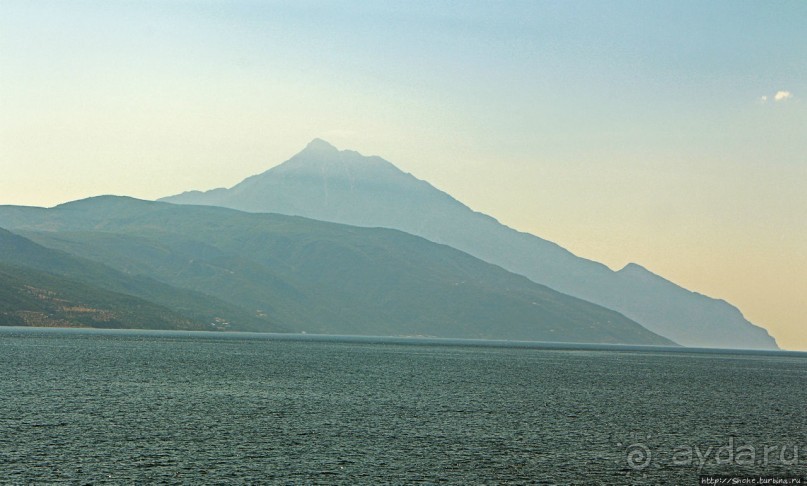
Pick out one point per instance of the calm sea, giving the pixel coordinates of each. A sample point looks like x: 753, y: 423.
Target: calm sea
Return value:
x: 139, y: 407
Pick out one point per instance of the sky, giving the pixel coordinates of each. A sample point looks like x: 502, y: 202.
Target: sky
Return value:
x: 672, y: 133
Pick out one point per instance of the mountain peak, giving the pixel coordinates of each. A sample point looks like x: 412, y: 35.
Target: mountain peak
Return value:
x: 319, y: 145
x: 636, y: 271
x: 633, y: 267
x: 322, y: 160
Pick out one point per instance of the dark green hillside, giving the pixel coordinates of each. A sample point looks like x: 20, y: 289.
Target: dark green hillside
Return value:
x: 199, y: 308
x: 32, y: 298
x: 322, y: 277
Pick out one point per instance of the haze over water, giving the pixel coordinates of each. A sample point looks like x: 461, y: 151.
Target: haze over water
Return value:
x: 126, y: 406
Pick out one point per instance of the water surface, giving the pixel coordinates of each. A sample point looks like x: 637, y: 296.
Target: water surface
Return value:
x: 121, y: 407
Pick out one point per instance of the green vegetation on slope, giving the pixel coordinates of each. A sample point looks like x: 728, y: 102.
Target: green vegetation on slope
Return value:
x: 322, y: 277
x: 204, y: 311
x: 32, y: 298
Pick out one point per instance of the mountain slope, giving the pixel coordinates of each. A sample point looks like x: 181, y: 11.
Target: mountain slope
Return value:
x: 324, y: 183
x: 29, y: 297
x: 204, y: 311
x: 321, y: 277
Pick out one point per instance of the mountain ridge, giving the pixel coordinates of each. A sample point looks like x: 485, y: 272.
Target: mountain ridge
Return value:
x: 321, y: 277
x: 312, y: 184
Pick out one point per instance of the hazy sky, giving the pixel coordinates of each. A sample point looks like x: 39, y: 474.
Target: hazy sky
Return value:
x: 672, y: 134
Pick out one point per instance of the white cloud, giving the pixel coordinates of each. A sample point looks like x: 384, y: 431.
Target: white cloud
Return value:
x: 763, y: 99
x: 782, y: 95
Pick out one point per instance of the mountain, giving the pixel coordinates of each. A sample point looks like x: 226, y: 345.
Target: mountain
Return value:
x: 28, y: 261
x: 324, y: 183
x: 320, y: 277
x: 32, y: 298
